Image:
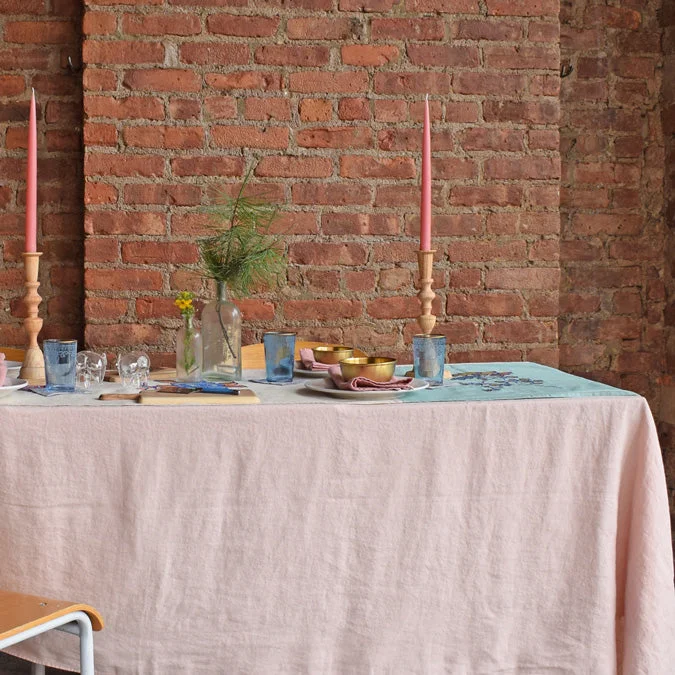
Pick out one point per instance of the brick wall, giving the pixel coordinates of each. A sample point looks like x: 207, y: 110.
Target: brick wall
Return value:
x: 324, y: 99
x: 667, y: 412
x: 38, y: 36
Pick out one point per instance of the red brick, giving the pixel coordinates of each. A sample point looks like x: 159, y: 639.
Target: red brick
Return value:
x: 176, y: 138
x: 309, y: 253
x: 413, y: 29
x: 161, y: 24
x: 295, y: 222
x: 522, y: 58
x: 395, y: 307
x: 99, y: 79
x: 484, y: 29
x: 410, y: 139
x: 122, y: 280
x: 104, y: 308
x: 165, y: 79
x: 204, y: 165
x: 184, y: 109
x: 101, y: 250
x: 360, y: 223
x: 502, y: 140
x: 207, y: 53
x: 242, y: 26
x: 99, y: 164
x: 321, y: 310
x: 322, y: 280
x: 244, y: 79
x: 484, y: 304
x: 521, y: 331
x: 523, y: 7
x: 354, y: 109
x: 494, y: 195
x: 486, y: 251
x: 274, y: 138
x: 412, y: 83
x: 122, y: 51
x: 291, y: 55
x: 614, y: 17
x: 544, y: 32
x: 319, y: 28
x: 545, y: 112
x: 156, y: 193
x: 444, y: 56
x: 607, y: 277
x: 453, y: 168
x: 10, y: 85
x: 369, y: 56
x: 391, y: 111
x: 488, y: 83
x: 607, y: 223
x: 366, y: 5
x: 121, y: 335
x: 294, y: 167
x: 124, y: 222
x: 154, y: 252
x: 364, y: 166
x: 315, y: 110
x: 220, y: 107
x: 267, y: 109
x: 313, y: 82
x: 360, y: 282
x: 440, y: 6
x: 98, y: 23
x: 131, y: 107
x: 254, y: 309
x: 523, y: 168
x: 154, y: 307
x: 40, y: 32
x: 537, y: 278
x: 406, y: 195
x: 448, y: 225
x: 335, y: 137
x: 99, y: 134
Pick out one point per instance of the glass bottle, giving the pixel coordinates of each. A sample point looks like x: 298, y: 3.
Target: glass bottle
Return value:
x: 188, y: 352
x: 221, y: 328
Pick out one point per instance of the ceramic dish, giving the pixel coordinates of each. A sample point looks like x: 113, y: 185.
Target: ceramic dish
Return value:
x: 13, y: 368
x: 12, y: 384
x: 326, y: 386
x: 301, y: 371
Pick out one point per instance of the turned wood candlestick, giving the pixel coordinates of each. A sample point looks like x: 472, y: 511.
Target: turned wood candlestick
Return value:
x: 425, y: 262
x: 33, y: 368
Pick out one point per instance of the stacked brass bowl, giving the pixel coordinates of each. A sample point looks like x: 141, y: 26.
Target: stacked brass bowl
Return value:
x: 376, y: 368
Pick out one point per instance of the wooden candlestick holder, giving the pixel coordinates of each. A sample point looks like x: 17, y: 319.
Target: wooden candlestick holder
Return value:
x: 425, y: 262
x: 33, y: 368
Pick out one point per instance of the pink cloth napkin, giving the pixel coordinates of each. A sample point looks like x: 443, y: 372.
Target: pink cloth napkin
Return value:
x: 308, y: 362
x: 365, y: 384
x: 3, y: 369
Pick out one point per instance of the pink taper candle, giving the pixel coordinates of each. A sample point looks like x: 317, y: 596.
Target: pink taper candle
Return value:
x: 425, y: 206
x: 31, y: 181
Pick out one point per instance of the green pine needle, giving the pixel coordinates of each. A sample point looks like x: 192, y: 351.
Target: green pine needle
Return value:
x: 240, y: 253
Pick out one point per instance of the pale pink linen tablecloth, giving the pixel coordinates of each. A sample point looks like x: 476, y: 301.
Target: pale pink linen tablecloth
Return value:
x: 502, y: 537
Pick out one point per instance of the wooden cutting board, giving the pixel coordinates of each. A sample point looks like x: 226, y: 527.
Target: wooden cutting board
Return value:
x: 151, y: 397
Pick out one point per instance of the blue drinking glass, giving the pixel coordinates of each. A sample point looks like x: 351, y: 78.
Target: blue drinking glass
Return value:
x: 60, y: 364
x: 279, y: 356
x: 429, y: 358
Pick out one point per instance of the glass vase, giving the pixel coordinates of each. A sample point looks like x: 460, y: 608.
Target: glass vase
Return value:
x: 221, y: 328
x: 188, y: 352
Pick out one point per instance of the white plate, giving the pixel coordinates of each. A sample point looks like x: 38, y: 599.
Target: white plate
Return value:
x: 326, y: 386
x: 12, y: 384
x: 303, y: 372
x: 13, y: 368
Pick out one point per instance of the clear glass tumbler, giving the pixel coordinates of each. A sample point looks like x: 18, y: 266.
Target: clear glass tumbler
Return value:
x: 279, y: 356
x: 429, y: 357
x: 60, y: 364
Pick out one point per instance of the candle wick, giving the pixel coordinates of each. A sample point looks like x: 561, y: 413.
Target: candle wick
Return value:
x: 426, y: 98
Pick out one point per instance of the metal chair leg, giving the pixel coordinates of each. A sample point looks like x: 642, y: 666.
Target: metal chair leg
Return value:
x: 37, y: 669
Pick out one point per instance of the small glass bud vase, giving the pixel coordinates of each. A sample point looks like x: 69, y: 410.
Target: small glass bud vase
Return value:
x: 221, y: 327
x: 188, y: 352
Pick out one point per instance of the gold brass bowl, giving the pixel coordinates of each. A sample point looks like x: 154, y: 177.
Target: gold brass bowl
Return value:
x: 376, y: 368
x: 331, y: 354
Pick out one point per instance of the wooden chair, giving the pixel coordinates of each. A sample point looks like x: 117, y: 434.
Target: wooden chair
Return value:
x: 253, y: 356
x: 12, y: 354
x: 25, y: 616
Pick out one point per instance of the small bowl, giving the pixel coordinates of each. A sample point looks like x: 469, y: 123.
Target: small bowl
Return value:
x: 13, y: 368
x: 376, y: 368
x: 331, y: 354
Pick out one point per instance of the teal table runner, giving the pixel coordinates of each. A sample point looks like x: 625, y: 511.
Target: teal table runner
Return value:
x: 510, y: 380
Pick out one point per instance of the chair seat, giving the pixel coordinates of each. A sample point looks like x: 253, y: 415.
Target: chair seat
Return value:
x: 20, y: 612
x: 12, y: 354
